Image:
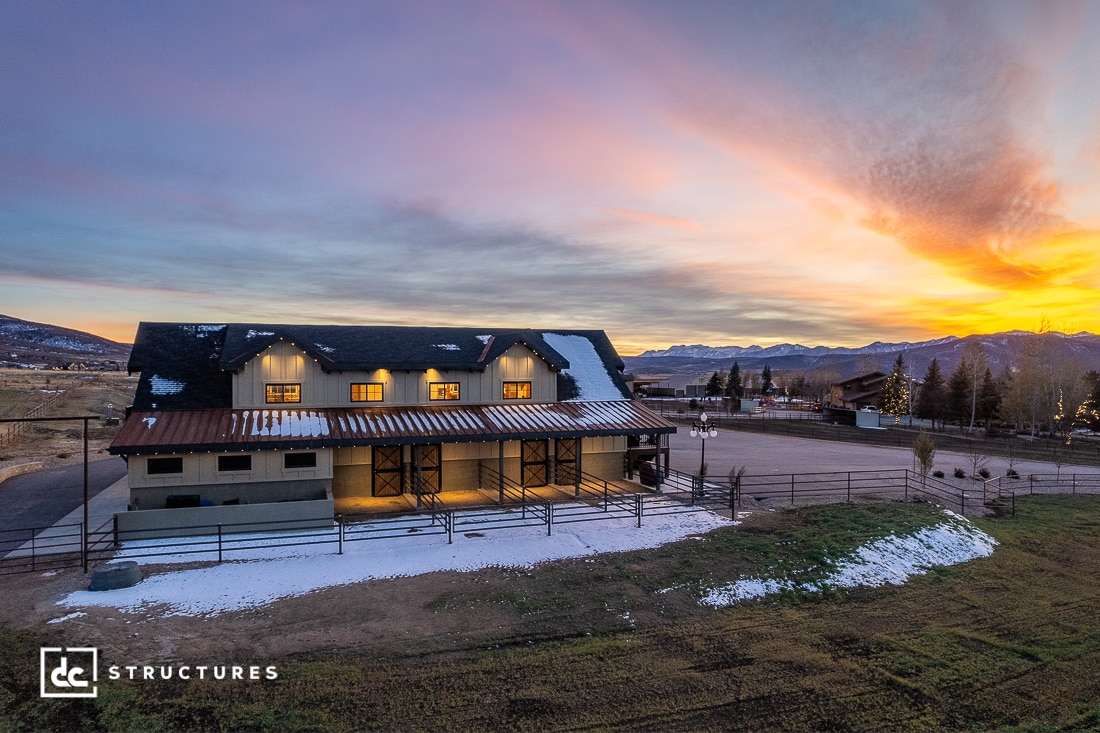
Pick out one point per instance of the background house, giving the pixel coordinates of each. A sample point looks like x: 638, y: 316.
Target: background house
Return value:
x: 857, y: 392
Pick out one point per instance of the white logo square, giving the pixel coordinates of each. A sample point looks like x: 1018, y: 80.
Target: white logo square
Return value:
x: 69, y: 671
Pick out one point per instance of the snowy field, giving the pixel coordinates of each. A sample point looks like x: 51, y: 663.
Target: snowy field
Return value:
x: 889, y: 561
x: 256, y: 577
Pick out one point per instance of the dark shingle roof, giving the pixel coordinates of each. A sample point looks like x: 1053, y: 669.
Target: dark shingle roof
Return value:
x: 190, y: 366
x: 365, y: 348
x: 179, y: 367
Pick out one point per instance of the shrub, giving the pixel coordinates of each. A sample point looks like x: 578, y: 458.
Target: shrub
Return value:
x: 937, y: 473
x: 1012, y: 473
x: 983, y: 472
x: 959, y: 473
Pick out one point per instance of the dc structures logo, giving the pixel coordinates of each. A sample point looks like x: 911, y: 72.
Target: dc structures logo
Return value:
x: 69, y: 671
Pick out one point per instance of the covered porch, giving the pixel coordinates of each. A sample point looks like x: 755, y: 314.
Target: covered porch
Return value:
x: 366, y: 506
x: 396, y: 458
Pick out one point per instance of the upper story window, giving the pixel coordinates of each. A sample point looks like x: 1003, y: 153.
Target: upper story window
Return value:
x: 368, y: 392
x: 278, y: 393
x: 157, y: 466
x: 517, y: 390
x: 443, y: 391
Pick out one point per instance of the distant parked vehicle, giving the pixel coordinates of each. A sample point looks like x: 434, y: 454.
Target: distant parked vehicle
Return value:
x: 868, y: 408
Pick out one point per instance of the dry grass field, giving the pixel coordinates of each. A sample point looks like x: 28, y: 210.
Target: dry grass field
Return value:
x: 619, y: 641
x: 76, y: 393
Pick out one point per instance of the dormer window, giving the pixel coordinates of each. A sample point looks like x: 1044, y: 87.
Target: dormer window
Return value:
x: 443, y: 390
x: 517, y: 391
x: 282, y: 393
x: 366, y: 392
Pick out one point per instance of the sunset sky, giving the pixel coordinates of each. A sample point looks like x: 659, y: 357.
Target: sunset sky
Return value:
x: 829, y: 173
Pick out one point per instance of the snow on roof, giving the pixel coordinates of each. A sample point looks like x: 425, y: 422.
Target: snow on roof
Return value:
x: 253, y: 333
x: 160, y: 385
x: 447, y: 347
x: 586, y: 367
x: 889, y: 561
x: 290, y: 424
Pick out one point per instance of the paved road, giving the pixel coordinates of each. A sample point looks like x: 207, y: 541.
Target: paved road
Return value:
x: 41, y: 498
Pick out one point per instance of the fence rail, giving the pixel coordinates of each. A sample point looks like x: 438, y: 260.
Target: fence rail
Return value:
x: 64, y: 546
x: 10, y: 431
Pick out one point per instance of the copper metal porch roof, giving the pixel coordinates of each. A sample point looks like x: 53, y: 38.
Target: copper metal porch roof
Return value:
x: 174, y: 431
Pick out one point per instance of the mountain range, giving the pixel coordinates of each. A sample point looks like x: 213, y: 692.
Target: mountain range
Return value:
x: 28, y: 345
x: 1002, y: 350
x: 25, y: 344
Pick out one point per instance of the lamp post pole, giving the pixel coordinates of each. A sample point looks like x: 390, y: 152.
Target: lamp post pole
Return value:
x: 702, y: 429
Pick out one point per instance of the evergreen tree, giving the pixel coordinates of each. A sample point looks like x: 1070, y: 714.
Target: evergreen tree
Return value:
x: 766, y: 379
x: 932, y: 397
x: 894, y: 397
x: 734, y: 387
x: 989, y: 399
x: 1087, y: 416
x: 714, y: 385
x: 958, y: 393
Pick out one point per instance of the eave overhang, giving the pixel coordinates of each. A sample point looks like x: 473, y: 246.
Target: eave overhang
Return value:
x: 183, y: 431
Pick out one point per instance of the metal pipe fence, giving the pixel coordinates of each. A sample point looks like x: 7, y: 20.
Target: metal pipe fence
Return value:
x: 62, y: 546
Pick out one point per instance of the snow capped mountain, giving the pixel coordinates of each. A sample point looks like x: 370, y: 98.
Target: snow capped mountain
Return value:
x: 1001, y: 351
x: 698, y: 351
x: 24, y: 344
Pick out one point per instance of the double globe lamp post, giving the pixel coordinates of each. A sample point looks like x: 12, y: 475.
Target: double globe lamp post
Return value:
x: 702, y: 429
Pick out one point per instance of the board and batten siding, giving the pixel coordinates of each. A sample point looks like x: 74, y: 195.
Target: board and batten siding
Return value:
x: 284, y: 363
x: 519, y: 364
x: 202, y: 469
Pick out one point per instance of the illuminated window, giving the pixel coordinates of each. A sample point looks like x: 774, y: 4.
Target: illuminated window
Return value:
x: 156, y: 466
x: 299, y: 460
x: 517, y: 390
x: 443, y: 390
x: 371, y: 392
x: 284, y: 393
x: 242, y: 462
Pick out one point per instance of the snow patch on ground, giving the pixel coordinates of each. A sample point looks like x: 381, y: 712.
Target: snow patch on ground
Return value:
x: 255, y: 577
x: 889, y: 561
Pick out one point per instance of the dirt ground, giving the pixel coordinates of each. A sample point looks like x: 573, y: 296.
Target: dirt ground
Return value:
x: 402, y: 616
x: 54, y: 444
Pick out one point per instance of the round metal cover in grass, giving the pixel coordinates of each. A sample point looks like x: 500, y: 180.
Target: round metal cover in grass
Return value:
x: 115, y: 575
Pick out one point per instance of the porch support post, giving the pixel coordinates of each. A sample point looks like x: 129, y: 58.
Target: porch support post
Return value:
x: 657, y: 464
x: 417, y: 476
x: 577, y: 473
x: 500, y: 469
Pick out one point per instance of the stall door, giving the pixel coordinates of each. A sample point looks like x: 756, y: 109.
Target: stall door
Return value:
x: 565, y: 461
x: 431, y: 467
x: 387, y: 476
x: 534, y: 460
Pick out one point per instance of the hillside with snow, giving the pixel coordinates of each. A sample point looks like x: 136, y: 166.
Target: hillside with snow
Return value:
x: 29, y: 345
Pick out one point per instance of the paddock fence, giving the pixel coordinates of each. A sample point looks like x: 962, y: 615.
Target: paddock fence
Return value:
x: 44, y: 549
